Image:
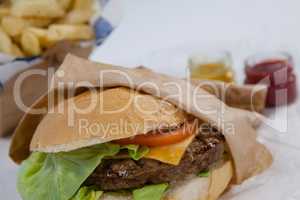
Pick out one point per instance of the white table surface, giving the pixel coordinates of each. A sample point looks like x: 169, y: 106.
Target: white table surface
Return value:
x: 156, y: 33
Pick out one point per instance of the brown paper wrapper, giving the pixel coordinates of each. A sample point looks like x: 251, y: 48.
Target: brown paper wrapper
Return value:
x: 34, y: 86
x: 248, y: 97
x: 249, y: 156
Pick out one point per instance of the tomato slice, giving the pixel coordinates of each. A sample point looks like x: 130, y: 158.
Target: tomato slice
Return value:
x: 160, y: 139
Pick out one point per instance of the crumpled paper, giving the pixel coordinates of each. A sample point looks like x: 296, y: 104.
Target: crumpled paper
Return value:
x: 282, y: 180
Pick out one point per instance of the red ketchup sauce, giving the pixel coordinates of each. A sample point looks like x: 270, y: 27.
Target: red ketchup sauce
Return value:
x: 277, y: 72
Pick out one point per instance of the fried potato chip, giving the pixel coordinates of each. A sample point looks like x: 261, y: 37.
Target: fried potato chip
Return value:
x: 59, y: 32
x: 5, y: 42
x: 30, y: 44
x: 13, y: 26
x: 76, y: 17
x: 37, y: 8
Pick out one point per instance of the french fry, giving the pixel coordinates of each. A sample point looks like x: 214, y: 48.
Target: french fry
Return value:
x: 30, y: 44
x: 5, y: 42
x: 38, y: 22
x: 4, y: 11
x: 17, y: 51
x: 83, y: 5
x: 16, y: 39
x: 65, y: 4
x: 7, y: 46
x: 41, y: 34
x: 81, y: 13
x: 59, y: 32
x: 76, y: 17
x: 37, y: 8
x: 26, y: 29
x: 13, y: 26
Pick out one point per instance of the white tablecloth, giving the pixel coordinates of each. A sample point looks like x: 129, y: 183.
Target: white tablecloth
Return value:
x: 8, y: 173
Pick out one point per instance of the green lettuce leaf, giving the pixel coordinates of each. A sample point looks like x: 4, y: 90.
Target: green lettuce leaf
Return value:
x: 204, y: 174
x: 135, y: 151
x: 58, y: 176
x: 150, y: 192
x: 87, y: 193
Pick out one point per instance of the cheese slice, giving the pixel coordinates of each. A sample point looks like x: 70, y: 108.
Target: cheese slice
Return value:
x: 170, y: 154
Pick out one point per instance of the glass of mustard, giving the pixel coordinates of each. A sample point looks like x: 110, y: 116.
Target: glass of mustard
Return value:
x: 211, y: 66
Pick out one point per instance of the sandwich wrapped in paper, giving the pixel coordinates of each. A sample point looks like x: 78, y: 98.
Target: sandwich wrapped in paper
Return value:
x: 132, y: 134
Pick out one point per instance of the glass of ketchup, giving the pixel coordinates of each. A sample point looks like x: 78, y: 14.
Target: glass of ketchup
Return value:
x: 276, y: 70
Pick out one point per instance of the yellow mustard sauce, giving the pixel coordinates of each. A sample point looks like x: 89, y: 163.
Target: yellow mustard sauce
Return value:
x: 211, y: 69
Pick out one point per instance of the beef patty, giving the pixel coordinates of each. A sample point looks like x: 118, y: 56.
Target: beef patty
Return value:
x: 127, y: 173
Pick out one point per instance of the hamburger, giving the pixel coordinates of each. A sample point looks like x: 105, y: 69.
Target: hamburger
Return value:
x: 131, y: 144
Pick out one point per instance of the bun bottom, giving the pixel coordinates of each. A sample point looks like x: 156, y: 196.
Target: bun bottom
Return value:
x: 196, y: 188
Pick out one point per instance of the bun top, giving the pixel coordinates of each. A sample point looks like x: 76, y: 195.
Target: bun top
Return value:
x: 95, y: 117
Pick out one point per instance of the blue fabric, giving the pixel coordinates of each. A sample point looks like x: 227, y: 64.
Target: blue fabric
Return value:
x: 27, y: 59
x: 102, y: 29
